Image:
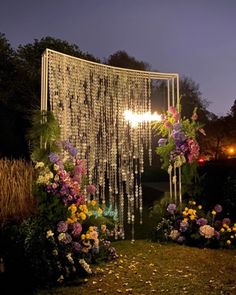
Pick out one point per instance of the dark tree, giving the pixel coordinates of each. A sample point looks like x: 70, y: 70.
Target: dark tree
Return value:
x: 123, y: 60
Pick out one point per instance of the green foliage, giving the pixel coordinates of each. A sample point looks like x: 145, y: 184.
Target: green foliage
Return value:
x: 43, y: 135
x: 164, y: 153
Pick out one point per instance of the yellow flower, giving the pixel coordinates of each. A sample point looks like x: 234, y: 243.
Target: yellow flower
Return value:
x: 69, y: 220
x: 87, y: 236
x: 228, y: 242
x: 55, y: 167
x: 39, y: 165
x: 83, y: 208
x: 99, y: 211
x: 199, y: 207
x: 222, y: 229
x: 190, y: 211
x: 82, y: 215
x: 192, y: 217
x: 229, y: 230
x: 185, y: 213
x: 234, y: 228
x: 91, y: 228
x: 82, y: 236
x: 190, y: 202
x: 225, y: 225
x: 186, y: 209
x: 185, y: 220
x: 194, y: 203
x: 93, y: 202
x: 72, y: 208
x: 232, y: 237
x: 213, y: 212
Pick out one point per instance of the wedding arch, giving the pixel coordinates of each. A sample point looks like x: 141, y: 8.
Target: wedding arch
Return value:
x: 89, y: 100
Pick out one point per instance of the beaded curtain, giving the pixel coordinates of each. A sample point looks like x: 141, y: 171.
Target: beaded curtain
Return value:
x: 89, y: 100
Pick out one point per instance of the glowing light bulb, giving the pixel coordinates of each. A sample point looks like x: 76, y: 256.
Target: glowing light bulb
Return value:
x: 135, y: 118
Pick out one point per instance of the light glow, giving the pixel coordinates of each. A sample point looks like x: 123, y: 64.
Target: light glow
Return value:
x: 135, y: 118
x: 231, y: 150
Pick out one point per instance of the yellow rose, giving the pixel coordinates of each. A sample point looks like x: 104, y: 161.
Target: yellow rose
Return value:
x: 82, y: 215
x: 228, y: 242
x: 194, y: 203
x: 185, y: 220
x: 72, y: 208
x: 231, y: 237
x: 213, y: 212
x: 229, y: 230
x: 199, y: 207
x: 222, y: 229
x: 185, y: 213
x: 192, y: 217
x: 82, y: 236
x: 186, y: 208
x: 87, y: 236
x: 190, y: 211
x: 225, y: 225
x: 91, y: 228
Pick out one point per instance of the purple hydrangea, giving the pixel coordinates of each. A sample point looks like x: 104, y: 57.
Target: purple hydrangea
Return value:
x: 201, y: 221
x: 53, y: 157
x: 177, y: 126
x: 217, y: 234
x: 183, y: 226
x: 62, y: 227
x: 171, y: 208
x: 218, y: 208
x: 73, y: 151
x: 180, y: 239
x: 178, y: 136
x: 76, y: 246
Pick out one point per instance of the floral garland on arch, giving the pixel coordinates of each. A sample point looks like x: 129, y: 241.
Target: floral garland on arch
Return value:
x: 178, y: 146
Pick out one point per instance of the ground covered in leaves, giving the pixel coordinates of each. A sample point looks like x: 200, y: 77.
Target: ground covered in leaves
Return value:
x: 152, y: 268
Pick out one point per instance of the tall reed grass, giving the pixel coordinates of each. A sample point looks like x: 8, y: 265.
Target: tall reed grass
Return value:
x: 16, y: 199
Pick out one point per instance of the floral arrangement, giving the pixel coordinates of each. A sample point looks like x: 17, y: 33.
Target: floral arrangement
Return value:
x: 178, y: 143
x: 192, y: 226
x: 71, y: 226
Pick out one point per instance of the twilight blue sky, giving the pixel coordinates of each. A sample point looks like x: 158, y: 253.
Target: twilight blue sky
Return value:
x: 193, y: 38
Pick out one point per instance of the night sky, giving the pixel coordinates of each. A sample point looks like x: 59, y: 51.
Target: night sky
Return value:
x: 193, y: 38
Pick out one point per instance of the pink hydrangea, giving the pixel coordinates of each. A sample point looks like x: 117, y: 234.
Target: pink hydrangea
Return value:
x: 77, y: 229
x: 91, y: 189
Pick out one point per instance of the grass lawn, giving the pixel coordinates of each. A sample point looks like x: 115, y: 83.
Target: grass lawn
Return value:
x: 152, y: 268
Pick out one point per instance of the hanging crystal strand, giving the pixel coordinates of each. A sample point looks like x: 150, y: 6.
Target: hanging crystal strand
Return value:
x: 180, y: 186
x: 170, y: 182
x: 175, y: 184
x: 140, y: 200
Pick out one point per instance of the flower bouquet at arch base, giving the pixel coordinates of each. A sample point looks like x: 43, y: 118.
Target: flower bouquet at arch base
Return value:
x: 194, y: 226
x: 71, y: 232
